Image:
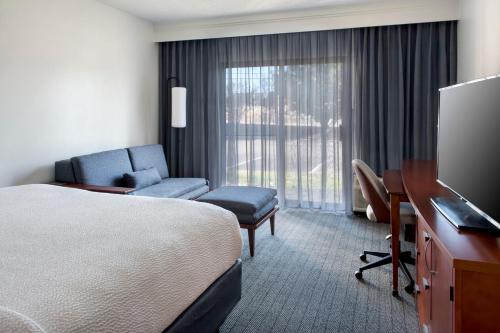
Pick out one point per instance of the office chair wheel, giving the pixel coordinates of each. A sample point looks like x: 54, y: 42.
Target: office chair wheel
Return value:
x: 362, y: 257
x: 358, y: 275
x: 410, y: 289
x: 395, y: 293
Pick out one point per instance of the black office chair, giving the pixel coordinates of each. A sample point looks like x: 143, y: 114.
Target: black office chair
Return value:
x: 379, y: 210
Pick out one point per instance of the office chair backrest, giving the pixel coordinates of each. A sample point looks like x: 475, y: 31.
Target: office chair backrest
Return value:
x: 373, y: 191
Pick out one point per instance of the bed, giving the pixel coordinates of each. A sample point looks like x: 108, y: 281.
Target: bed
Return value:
x: 73, y: 260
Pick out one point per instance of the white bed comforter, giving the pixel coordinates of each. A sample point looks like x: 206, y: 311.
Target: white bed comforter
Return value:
x: 76, y: 261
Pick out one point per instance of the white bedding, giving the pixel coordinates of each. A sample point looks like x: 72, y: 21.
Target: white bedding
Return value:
x: 76, y: 261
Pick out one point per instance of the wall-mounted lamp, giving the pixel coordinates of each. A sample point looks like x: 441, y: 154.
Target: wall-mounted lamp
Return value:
x: 178, y: 107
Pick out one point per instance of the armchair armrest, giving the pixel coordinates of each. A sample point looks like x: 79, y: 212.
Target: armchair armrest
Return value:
x: 97, y: 188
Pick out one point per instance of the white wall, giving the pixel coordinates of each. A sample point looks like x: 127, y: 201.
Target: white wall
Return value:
x: 478, y: 39
x: 384, y: 12
x: 76, y: 77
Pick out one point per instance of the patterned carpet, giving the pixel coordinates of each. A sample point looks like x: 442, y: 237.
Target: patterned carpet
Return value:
x: 302, y: 279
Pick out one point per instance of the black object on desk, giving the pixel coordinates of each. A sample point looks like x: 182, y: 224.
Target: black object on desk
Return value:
x: 462, y: 216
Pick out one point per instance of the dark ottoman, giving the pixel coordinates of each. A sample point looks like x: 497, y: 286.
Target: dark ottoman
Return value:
x: 252, y: 206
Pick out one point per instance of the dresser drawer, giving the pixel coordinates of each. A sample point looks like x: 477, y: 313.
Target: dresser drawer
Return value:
x: 423, y: 296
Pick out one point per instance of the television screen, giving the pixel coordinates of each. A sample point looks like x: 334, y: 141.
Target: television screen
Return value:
x: 469, y: 143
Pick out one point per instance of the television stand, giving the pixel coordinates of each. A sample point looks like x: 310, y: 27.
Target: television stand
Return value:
x: 457, y: 272
x: 463, y: 216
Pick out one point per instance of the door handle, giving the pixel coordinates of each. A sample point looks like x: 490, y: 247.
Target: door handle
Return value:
x: 426, y: 284
x: 428, y: 239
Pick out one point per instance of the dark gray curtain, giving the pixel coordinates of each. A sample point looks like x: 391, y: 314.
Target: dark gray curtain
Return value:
x: 398, y: 71
x: 391, y: 78
x: 194, y: 150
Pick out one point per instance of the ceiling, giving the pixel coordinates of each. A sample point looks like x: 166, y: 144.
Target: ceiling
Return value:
x: 167, y: 11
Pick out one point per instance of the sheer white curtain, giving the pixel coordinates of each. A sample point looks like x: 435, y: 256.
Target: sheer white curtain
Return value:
x: 284, y: 118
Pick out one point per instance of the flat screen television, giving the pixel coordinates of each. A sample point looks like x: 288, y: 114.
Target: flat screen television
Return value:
x: 469, y: 153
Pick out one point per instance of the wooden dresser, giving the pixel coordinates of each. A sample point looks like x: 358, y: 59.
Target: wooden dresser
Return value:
x: 458, y: 273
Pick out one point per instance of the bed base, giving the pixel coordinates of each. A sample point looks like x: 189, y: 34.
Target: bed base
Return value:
x: 210, y: 310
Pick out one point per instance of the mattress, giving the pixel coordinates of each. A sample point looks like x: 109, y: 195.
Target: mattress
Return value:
x: 77, y: 261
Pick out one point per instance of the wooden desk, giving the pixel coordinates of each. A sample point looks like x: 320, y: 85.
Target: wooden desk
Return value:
x: 394, y: 185
x: 458, y: 272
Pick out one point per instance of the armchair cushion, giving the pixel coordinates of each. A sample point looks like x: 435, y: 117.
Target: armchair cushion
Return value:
x: 241, y: 200
x: 149, y: 156
x: 173, y: 188
x: 143, y: 178
x: 407, y: 214
x: 105, y: 168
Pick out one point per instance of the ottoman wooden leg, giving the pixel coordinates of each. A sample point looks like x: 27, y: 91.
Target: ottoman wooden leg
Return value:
x: 271, y: 220
x: 251, y: 241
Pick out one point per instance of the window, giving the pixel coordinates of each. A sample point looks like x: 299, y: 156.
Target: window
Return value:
x: 283, y: 130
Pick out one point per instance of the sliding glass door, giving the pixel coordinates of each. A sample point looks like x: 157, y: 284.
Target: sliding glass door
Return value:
x: 284, y: 130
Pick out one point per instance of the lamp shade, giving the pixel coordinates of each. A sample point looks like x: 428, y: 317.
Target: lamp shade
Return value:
x: 179, y: 107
